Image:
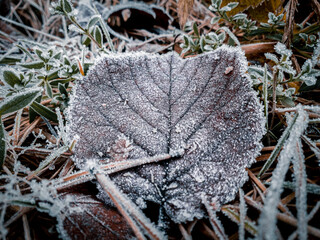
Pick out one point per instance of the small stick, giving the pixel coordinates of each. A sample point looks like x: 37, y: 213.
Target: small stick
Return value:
x: 26, y: 228
x: 256, y: 48
x: 28, y: 131
x: 84, y: 176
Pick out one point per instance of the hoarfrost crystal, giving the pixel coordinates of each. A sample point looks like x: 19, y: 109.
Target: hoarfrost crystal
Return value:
x: 161, y: 103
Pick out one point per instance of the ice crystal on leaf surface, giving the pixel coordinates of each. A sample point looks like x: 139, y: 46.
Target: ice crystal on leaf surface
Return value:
x: 140, y: 105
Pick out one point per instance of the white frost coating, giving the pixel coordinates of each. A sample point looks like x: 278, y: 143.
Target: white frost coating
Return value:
x: 313, y: 211
x: 301, y: 192
x: 55, y: 153
x: 316, y: 55
x: 42, y: 194
x: 214, y: 220
x: 312, y: 146
x: 129, y: 206
x: 243, y: 213
x: 311, y: 108
x: 268, y: 220
x: 13, y: 97
x: 160, y: 103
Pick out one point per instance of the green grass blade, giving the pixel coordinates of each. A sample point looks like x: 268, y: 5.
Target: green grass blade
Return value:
x: 44, y: 111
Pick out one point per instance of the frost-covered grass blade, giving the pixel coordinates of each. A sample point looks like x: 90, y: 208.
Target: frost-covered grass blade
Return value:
x: 278, y: 147
x: 3, y: 145
x: 267, y: 220
x: 214, y: 220
x: 301, y: 192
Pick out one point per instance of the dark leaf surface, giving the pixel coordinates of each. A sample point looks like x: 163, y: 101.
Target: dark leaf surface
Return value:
x: 139, y: 105
x: 11, y: 78
x: 19, y: 100
x: 136, y: 15
x: 95, y: 221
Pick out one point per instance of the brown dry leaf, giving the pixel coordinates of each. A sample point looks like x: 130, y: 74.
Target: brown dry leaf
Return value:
x: 143, y: 104
x: 184, y: 9
x: 135, y: 15
x: 95, y: 221
x: 256, y: 9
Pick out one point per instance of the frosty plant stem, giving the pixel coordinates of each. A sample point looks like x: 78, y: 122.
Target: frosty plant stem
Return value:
x: 215, y: 222
x: 64, y: 7
x: 85, y: 31
x: 113, y: 167
x: 104, y: 29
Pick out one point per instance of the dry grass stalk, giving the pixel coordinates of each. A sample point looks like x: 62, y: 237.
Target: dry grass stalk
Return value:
x: 184, y: 9
x: 288, y: 30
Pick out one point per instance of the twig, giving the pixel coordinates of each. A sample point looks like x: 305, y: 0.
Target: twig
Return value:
x: 316, y: 6
x: 288, y: 29
x: 257, y: 48
x: 28, y: 131
x: 127, y: 208
x: 84, y: 176
x: 26, y: 227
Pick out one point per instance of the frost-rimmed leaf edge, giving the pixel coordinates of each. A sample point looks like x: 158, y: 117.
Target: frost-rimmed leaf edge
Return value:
x: 243, y: 66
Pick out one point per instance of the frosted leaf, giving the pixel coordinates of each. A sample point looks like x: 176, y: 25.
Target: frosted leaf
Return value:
x: 316, y: 54
x: 281, y: 49
x: 192, y: 104
x: 272, y: 57
x: 42, y: 195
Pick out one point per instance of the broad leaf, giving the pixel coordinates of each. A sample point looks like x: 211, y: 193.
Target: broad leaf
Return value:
x: 19, y: 100
x: 138, y: 105
x: 33, y: 65
x: 44, y: 111
x: 11, y: 78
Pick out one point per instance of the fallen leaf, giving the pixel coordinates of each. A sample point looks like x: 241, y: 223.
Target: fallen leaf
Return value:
x: 147, y: 104
x: 95, y: 221
x: 256, y: 9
